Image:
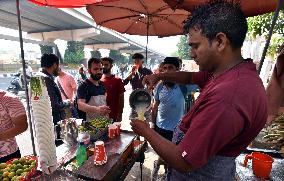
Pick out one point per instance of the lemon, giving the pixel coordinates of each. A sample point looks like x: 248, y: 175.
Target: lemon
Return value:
x: 11, y: 175
x: 19, y: 171
x: 3, y: 165
x: 5, y: 179
x: 6, y: 170
x: 5, y: 174
x: 16, y: 161
x: 22, y: 160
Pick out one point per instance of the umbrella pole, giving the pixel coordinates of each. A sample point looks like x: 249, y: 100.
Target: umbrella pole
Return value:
x: 274, y: 19
x: 24, y: 74
x: 147, y: 38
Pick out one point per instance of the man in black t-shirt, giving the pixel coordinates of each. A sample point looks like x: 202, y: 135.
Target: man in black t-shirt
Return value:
x: 92, y: 94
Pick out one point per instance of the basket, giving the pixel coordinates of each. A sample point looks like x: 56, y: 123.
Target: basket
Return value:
x: 32, y: 171
x: 101, y: 134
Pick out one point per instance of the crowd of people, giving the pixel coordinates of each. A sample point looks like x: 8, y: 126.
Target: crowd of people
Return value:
x: 205, y: 137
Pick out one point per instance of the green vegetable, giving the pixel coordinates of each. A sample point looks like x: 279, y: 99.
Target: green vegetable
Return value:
x: 35, y: 86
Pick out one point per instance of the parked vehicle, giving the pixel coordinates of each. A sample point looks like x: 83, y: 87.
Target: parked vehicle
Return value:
x: 16, y: 84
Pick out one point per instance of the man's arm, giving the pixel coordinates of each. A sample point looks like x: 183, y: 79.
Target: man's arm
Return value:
x: 155, y: 112
x: 120, y: 107
x: 83, y: 106
x: 74, y: 88
x: 129, y: 77
x: 20, y: 125
x: 199, y: 78
x: 127, y: 80
x: 161, y: 145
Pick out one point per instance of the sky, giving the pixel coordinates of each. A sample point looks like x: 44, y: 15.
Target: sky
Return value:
x: 166, y: 45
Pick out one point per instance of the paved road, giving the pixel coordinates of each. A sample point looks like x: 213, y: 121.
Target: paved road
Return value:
x: 5, y: 82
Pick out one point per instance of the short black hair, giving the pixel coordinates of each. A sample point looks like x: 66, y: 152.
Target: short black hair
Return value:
x: 93, y: 60
x: 219, y: 16
x: 173, y: 61
x: 48, y: 60
x: 138, y: 56
x: 108, y: 59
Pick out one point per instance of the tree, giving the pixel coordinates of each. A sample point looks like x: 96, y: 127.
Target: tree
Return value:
x: 49, y: 49
x: 74, y: 52
x: 183, y: 48
x: 46, y: 49
x: 96, y: 54
x: 119, y: 59
x: 260, y: 25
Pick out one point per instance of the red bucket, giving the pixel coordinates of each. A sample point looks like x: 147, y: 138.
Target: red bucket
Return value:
x: 261, y: 164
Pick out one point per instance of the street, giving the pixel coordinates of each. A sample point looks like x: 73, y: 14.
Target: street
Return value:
x: 5, y: 82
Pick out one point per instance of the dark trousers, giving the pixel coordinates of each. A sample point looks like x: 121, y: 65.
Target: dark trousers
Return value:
x: 16, y: 154
x: 164, y: 133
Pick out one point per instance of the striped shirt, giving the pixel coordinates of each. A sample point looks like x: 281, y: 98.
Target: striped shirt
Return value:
x: 10, y: 107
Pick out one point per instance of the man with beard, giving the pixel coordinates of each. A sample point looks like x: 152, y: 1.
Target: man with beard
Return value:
x: 115, y: 90
x: 50, y: 68
x: 91, y: 94
x: 168, y: 108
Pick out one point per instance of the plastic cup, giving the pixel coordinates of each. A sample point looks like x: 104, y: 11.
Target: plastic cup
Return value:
x: 261, y: 164
x: 100, y: 156
x: 118, y: 126
x: 112, y: 131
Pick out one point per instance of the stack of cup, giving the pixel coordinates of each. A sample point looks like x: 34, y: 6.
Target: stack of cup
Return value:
x: 100, y: 156
x: 118, y: 125
x: 112, y: 131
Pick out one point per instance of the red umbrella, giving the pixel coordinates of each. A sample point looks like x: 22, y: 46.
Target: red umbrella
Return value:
x: 66, y: 3
x: 137, y: 17
x: 249, y: 7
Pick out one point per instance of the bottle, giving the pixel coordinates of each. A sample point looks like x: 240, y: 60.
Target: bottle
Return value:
x: 81, y: 154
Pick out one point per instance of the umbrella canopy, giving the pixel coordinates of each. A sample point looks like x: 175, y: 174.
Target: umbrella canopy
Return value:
x: 66, y: 3
x: 139, y: 17
x: 249, y: 7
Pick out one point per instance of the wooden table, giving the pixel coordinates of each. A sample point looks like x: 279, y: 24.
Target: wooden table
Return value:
x: 121, y: 158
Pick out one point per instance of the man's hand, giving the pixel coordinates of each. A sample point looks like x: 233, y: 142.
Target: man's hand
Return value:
x: 151, y: 80
x: 139, y: 127
x: 104, y: 110
x: 134, y: 69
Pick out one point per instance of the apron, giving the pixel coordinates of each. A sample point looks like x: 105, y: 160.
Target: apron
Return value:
x: 218, y: 168
x: 99, y: 100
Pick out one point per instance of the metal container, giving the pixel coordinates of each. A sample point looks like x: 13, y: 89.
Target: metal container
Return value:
x: 140, y: 101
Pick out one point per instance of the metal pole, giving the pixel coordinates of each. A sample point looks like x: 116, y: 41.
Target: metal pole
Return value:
x: 274, y: 19
x: 148, y: 19
x: 24, y: 74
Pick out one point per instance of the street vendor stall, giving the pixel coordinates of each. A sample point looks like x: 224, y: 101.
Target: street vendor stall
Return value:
x: 122, y: 152
x: 121, y: 155
x: 92, y: 150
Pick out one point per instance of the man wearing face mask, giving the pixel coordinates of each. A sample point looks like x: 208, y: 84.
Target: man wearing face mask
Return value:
x: 115, y: 90
x: 50, y: 68
x: 91, y: 93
